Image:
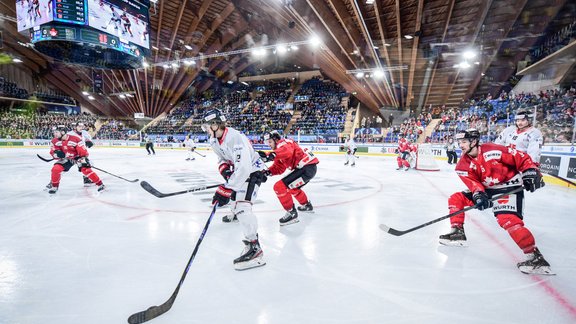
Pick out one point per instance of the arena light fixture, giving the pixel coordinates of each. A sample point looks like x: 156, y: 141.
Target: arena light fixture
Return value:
x: 85, y: 93
x: 469, y: 54
x: 408, y: 36
x: 16, y: 60
x: 359, y: 75
x: 91, y: 97
x: 378, y: 74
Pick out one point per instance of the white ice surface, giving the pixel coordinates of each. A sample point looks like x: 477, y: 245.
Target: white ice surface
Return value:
x: 84, y: 257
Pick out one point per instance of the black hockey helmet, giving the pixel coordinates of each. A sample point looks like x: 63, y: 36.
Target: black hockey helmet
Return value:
x: 60, y: 128
x: 272, y: 135
x: 212, y: 116
x: 470, y: 134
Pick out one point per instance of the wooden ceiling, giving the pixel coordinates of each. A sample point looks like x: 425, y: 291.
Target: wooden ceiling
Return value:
x: 355, y: 35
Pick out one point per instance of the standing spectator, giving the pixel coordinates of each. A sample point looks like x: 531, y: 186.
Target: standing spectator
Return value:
x: 451, y: 151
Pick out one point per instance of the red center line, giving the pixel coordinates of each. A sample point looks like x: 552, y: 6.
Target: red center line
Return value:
x: 552, y: 292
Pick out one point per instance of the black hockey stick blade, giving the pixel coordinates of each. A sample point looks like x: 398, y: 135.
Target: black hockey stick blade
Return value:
x: 44, y: 159
x: 148, y: 187
x: 117, y: 176
x: 156, y: 311
x: 396, y: 232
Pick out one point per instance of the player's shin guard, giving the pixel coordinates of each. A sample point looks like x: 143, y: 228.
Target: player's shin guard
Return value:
x: 283, y: 195
x: 520, y: 234
x: 300, y: 195
x: 91, y: 175
x: 56, y: 174
x: 399, y: 161
x: 456, y: 202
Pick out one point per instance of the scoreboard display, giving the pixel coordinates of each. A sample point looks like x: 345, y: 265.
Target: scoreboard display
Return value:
x: 120, y: 25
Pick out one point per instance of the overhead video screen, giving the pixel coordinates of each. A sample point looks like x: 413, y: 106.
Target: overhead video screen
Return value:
x: 31, y: 13
x: 125, y: 19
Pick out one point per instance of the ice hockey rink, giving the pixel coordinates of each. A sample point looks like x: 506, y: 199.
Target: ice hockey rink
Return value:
x: 84, y: 257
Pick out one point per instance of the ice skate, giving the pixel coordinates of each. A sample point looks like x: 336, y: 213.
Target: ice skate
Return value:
x: 307, y: 207
x: 353, y: 165
x: 101, y: 188
x: 251, y: 257
x: 456, y: 237
x: 53, y: 190
x: 535, y: 264
x: 346, y: 163
x: 291, y: 217
x: 87, y: 182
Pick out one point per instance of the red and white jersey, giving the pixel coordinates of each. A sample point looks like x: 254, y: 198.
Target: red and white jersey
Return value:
x: 529, y: 140
x: 74, y: 145
x: 56, y: 145
x: 495, y: 167
x: 403, y: 145
x: 289, y: 155
x: 414, y: 147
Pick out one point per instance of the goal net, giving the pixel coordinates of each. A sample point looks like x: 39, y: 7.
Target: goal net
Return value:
x: 425, y: 160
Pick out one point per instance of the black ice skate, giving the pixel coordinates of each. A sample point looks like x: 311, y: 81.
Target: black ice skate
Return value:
x: 291, y: 217
x: 87, y: 182
x: 53, y: 190
x: 252, y: 256
x: 353, y: 164
x: 456, y: 237
x: 346, y: 163
x: 101, y: 188
x: 306, y: 208
x: 535, y: 264
x: 232, y: 218
x: 48, y: 186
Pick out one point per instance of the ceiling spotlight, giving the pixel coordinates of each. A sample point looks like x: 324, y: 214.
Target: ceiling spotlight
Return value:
x: 408, y: 36
x: 477, y: 63
x: 175, y: 65
x: 91, y: 97
x: 359, y: 75
x: 122, y: 96
x: 189, y: 62
x: 468, y: 54
x: 464, y: 65
x: 315, y: 40
x: 281, y: 49
x: 145, y: 64
x: 165, y: 66
x: 294, y: 47
x: 16, y: 60
x: 188, y: 47
x: 258, y: 52
x: 378, y: 74
x: 85, y: 93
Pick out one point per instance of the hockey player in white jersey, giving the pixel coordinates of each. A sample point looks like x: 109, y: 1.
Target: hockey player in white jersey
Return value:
x: 350, y: 149
x: 79, y: 129
x: 523, y: 136
x: 190, y: 147
x: 242, y: 169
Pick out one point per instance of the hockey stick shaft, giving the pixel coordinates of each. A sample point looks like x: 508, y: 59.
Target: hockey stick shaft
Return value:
x: 396, y: 232
x: 148, y: 187
x: 156, y: 311
x: 202, y: 155
x: 112, y: 174
x: 44, y: 159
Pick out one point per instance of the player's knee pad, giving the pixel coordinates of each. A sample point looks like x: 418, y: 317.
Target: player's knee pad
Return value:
x: 515, y: 227
x: 57, y: 168
x: 457, y: 202
x: 280, y: 189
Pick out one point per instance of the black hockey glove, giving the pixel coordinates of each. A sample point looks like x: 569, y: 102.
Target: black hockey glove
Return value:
x: 225, y: 170
x: 222, y: 196
x: 267, y: 157
x: 481, y: 200
x: 354, y: 152
x: 532, y: 180
x: 60, y: 154
x: 89, y: 144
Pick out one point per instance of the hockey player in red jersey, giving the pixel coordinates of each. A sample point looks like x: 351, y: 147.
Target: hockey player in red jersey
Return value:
x: 62, y: 163
x: 403, y: 151
x: 80, y: 130
x: 287, y: 154
x: 72, y: 148
x: 488, y: 170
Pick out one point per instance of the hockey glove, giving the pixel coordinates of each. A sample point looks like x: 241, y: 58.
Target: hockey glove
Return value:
x: 60, y: 154
x: 354, y: 151
x: 532, y: 180
x: 89, y: 144
x: 225, y: 170
x: 481, y: 200
x: 222, y: 196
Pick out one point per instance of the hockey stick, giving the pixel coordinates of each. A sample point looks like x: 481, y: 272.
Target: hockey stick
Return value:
x: 155, y: 311
x: 202, y: 155
x: 93, y: 167
x: 396, y: 232
x: 44, y: 159
x: 135, y: 180
x: 148, y: 187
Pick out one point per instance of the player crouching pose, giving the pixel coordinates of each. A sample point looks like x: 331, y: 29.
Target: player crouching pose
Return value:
x: 287, y: 154
x: 403, y: 152
x: 69, y: 148
x: 488, y: 170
